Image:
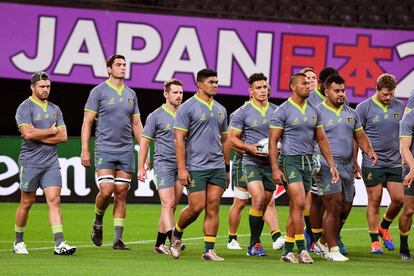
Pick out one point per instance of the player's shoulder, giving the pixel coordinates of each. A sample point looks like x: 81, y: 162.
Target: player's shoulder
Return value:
x: 219, y: 106
x: 54, y: 106
x: 364, y: 103
x: 129, y: 90
x: 398, y: 103
x: 25, y: 104
x: 156, y: 112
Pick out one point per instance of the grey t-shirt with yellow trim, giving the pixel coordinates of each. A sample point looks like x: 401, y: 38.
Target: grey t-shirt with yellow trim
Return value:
x: 407, y: 128
x: 339, y: 126
x: 205, y: 123
x: 159, y: 127
x: 253, y: 122
x: 381, y: 124
x: 114, y: 110
x: 41, y: 116
x: 298, y: 126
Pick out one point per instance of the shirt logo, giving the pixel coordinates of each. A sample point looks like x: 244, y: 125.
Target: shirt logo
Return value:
x: 46, y: 115
x: 55, y: 116
x: 130, y: 101
x: 350, y: 120
x: 330, y: 122
x: 167, y: 126
x: 314, y: 118
x: 327, y: 188
x: 292, y: 175
x: 111, y: 101
x: 295, y: 121
x: 305, y: 119
x: 264, y: 121
x: 396, y: 115
x: 251, y: 174
x: 38, y: 117
x: 369, y: 176
x: 121, y: 100
x: 220, y: 115
x: 385, y: 116
x: 376, y: 119
x: 203, y: 117
x: 255, y: 123
x: 340, y: 119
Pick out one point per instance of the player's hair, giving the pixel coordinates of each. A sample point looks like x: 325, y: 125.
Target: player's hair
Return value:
x: 112, y: 59
x: 205, y: 73
x: 334, y: 79
x: 325, y: 73
x: 256, y: 77
x: 294, y: 77
x: 386, y: 81
x: 168, y: 83
x: 307, y: 69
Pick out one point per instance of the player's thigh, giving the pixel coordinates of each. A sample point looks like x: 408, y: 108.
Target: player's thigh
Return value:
x: 374, y: 176
x: 324, y: 182
x: 51, y: 177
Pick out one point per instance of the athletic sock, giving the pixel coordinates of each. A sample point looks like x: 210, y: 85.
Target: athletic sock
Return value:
x: 275, y: 234
x: 289, y: 243
x: 178, y: 231
x: 99, y: 216
x: 308, y: 227
x: 300, y: 242
x: 57, y: 231
x: 374, y: 236
x: 385, y: 223
x: 404, y: 242
x: 232, y: 236
x: 209, y: 242
x: 119, y: 228
x: 317, y: 233
x: 169, y: 234
x: 256, y: 224
x: 161, y: 237
x: 19, y: 234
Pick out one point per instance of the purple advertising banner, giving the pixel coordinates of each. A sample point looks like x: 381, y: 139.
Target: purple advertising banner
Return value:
x: 72, y: 45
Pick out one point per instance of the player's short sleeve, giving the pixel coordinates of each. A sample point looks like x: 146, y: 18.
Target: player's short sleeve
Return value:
x: 319, y: 122
x: 182, y: 118
x: 238, y: 121
x: 136, y: 108
x: 59, y: 120
x: 23, y: 115
x: 92, y: 104
x: 410, y: 103
x: 278, y: 119
x: 361, y: 112
x: 357, y: 123
x: 223, y: 122
x: 150, y: 127
x: 407, y: 125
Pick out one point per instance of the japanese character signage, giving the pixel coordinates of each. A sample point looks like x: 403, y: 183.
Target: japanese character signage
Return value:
x: 72, y: 45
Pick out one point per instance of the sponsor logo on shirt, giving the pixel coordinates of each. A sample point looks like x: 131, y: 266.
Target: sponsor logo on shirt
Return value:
x: 111, y: 101
x: 38, y: 117
x: 255, y: 123
x: 295, y: 121
x: 203, y: 117
x: 376, y: 119
x: 167, y: 126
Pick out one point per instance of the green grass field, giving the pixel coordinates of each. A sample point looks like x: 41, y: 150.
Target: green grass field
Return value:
x: 140, y: 234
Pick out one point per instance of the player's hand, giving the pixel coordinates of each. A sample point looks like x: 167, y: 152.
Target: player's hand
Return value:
x: 373, y: 156
x: 357, y: 171
x: 54, y: 130
x: 278, y: 176
x: 86, y: 159
x: 335, y: 174
x: 142, y: 174
x: 408, y: 179
x: 253, y: 150
x: 227, y: 179
x: 184, y: 177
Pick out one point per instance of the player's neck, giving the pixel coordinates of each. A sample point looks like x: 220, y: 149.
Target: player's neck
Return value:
x: 36, y: 99
x: 118, y: 83
x: 203, y: 96
x: 298, y: 100
x: 328, y: 103
x: 171, y: 107
x: 260, y: 104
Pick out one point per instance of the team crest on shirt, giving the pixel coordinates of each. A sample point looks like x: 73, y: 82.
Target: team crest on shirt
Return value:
x: 55, y: 116
x: 350, y: 120
x: 130, y: 101
x: 220, y: 115
x: 38, y: 117
x: 314, y: 119
x: 396, y: 115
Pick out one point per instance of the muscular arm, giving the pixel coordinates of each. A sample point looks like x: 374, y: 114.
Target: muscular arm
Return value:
x: 405, y: 144
x: 274, y: 136
x: 226, y: 148
x: 88, y: 119
x: 60, y: 137
x: 137, y: 128
x: 365, y: 145
x: 327, y: 153
x: 183, y: 175
x: 31, y: 133
x: 142, y: 157
x: 239, y: 145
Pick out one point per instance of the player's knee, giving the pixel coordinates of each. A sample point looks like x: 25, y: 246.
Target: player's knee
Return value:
x: 168, y: 203
x: 54, y: 201
x: 398, y: 201
x: 27, y: 203
x: 120, y: 195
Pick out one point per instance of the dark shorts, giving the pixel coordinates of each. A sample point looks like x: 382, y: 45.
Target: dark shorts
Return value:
x: 407, y: 191
x: 238, y: 179
x: 200, y: 179
x: 345, y: 185
x: 258, y: 173
x: 297, y: 168
x: 164, y: 177
x: 33, y: 178
x: 123, y: 161
x: 380, y: 176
